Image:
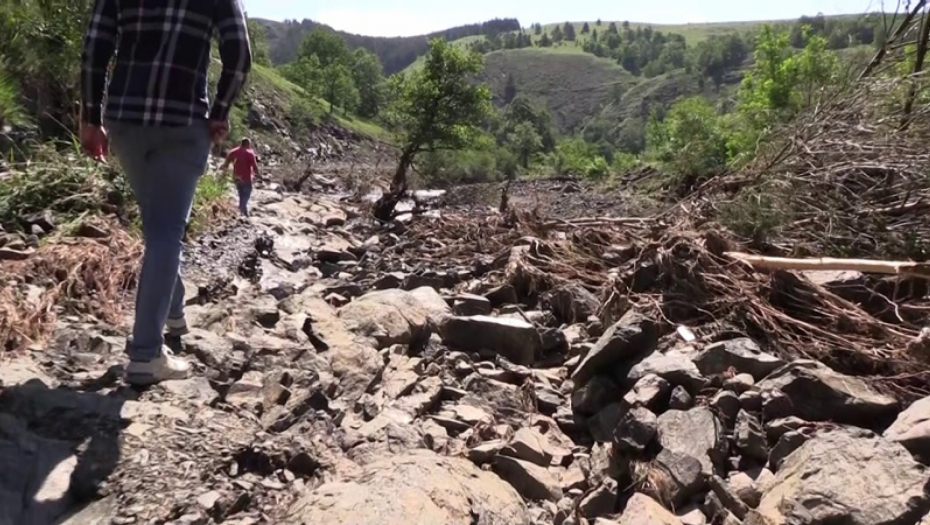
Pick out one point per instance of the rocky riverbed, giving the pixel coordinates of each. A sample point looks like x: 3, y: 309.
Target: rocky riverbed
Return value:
x: 354, y: 374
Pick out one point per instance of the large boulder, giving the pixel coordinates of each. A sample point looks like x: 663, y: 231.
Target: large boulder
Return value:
x: 814, y: 392
x: 912, y: 429
x: 514, y: 339
x: 697, y: 433
x: 631, y: 338
x: 420, y: 487
x: 395, y: 316
x: 848, y: 476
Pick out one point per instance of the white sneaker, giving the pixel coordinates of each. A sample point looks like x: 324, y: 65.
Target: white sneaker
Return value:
x: 177, y: 327
x: 163, y: 368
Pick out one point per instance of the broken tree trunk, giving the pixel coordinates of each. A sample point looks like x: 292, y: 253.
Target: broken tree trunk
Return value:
x: 826, y: 263
x: 384, y: 207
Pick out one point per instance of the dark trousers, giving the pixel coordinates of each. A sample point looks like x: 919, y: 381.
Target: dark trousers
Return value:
x: 245, y: 192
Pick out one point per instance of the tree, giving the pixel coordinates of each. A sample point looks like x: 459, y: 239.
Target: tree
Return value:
x: 510, y: 90
x: 585, y: 29
x: 437, y: 107
x: 258, y: 38
x: 338, y: 87
x: 545, y: 41
x: 327, y: 46
x: 557, y: 35
x: 368, y: 79
x: 598, y: 23
x: 537, y: 29
x: 569, y: 30
x: 524, y: 141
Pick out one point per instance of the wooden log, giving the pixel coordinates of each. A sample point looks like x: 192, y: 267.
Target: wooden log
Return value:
x: 826, y: 263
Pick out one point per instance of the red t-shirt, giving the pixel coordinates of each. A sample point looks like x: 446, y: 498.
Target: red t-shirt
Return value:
x: 244, y: 164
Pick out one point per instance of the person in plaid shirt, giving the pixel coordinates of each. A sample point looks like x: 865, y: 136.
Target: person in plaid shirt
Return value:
x: 161, y: 123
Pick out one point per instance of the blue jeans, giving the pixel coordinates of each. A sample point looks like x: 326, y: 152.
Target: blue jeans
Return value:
x: 245, y: 192
x: 163, y: 165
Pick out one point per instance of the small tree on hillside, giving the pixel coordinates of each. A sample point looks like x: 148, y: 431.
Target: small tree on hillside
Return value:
x: 525, y: 141
x: 598, y: 23
x: 585, y: 29
x: 510, y: 89
x: 557, y: 35
x: 537, y: 29
x: 545, y: 41
x: 438, y: 107
x: 569, y: 30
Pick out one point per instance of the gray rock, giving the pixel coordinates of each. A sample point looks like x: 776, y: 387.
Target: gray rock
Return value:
x: 485, y: 452
x: 730, y: 501
x: 684, y: 474
x: 531, y: 481
x: 697, y: 433
x: 643, y: 510
x: 846, y: 476
x: 727, y: 404
x: 596, y: 394
x: 741, y: 354
x: 814, y: 392
x: 692, y: 515
x: 632, y: 337
x: 601, y: 501
x: 636, y: 430
x: 750, y: 439
x: 751, y: 401
x: 745, y: 488
x: 739, y: 383
x: 418, y: 487
x: 395, y: 316
x: 572, y: 303
x: 786, y: 445
x: 514, y: 339
x: 651, y: 391
x: 470, y: 304
x: 680, y: 399
x: 675, y: 366
x: 912, y: 429
x: 777, y: 428
x: 529, y: 445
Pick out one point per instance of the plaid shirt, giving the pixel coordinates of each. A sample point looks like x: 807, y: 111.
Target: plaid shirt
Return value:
x: 162, y: 55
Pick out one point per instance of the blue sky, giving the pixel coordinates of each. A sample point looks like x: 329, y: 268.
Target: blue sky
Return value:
x: 414, y: 17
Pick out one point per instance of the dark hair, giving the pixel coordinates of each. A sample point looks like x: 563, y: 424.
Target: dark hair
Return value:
x: 246, y: 142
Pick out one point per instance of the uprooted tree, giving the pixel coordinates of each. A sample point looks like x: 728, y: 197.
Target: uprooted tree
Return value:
x: 435, y: 108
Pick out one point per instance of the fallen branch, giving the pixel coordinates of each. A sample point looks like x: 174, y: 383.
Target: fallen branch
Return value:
x: 826, y: 263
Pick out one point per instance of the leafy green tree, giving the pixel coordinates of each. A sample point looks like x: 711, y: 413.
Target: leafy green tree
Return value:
x: 558, y: 35
x: 525, y: 142
x: 338, y: 87
x: 435, y: 107
x: 690, y: 140
x: 521, y: 110
x: 585, y: 29
x: 258, y: 38
x: 307, y: 73
x: 328, y: 47
x: 369, y: 81
x: 545, y: 41
x: 612, y: 28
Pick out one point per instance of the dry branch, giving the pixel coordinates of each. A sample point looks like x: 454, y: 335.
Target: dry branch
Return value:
x: 828, y: 263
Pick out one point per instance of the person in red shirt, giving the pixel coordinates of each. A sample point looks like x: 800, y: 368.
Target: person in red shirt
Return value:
x: 245, y: 168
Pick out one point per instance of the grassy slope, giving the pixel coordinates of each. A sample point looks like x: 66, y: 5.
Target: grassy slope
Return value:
x: 572, y: 86
x: 279, y: 95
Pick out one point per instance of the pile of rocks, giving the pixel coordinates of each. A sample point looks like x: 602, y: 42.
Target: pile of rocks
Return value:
x: 322, y: 397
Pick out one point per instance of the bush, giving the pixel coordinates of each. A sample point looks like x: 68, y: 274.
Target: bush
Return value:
x: 442, y: 169
x: 580, y: 158
x: 690, y: 141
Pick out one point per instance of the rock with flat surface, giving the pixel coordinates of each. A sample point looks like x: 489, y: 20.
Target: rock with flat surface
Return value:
x: 529, y: 445
x: 531, y: 481
x: 631, y: 338
x: 643, y: 510
x: 395, y: 316
x: 636, y: 430
x: 742, y: 354
x: 650, y: 391
x: 420, y: 487
x: 697, y: 433
x: 675, y: 366
x: 912, y: 429
x: 515, y: 339
x: 750, y: 437
x: 683, y: 473
x: 812, y: 391
x: 848, y: 476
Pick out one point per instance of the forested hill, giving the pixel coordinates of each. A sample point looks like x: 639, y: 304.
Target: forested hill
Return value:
x: 395, y: 53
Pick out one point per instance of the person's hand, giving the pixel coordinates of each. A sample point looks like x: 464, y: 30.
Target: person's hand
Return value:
x: 94, y: 141
x: 218, y: 130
